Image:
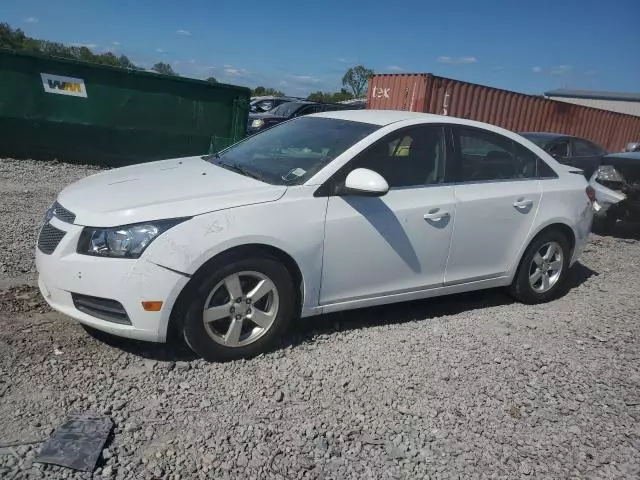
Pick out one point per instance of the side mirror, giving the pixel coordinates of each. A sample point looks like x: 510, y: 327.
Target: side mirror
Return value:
x: 365, y: 182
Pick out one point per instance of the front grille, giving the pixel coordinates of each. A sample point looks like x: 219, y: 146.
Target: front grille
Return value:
x: 63, y: 214
x: 102, y: 308
x: 49, y: 238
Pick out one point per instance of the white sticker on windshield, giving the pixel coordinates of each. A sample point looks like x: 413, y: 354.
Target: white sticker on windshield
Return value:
x: 295, y: 173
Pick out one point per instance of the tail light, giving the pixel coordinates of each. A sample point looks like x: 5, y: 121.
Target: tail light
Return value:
x: 591, y: 193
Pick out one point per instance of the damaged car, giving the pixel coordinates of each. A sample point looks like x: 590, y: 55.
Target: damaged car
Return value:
x: 323, y: 213
x: 616, y: 182
x: 632, y: 147
x: 569, y: 150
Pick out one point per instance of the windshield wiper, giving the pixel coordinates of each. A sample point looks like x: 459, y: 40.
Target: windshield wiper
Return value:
x: 238, y: 169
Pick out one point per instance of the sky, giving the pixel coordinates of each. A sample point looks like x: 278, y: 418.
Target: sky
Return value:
x: 299, y: 47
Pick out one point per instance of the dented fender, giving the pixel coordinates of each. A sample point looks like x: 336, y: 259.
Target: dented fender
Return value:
x: 186, y: 247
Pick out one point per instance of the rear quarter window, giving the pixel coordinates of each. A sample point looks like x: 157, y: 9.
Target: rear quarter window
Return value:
x: 544, y: 170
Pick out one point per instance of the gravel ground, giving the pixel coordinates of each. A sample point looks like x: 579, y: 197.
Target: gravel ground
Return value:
x: 27, y: 188
x: 470, y: 386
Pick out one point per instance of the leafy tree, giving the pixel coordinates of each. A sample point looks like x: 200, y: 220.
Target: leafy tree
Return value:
x: 163, y: 68
x: 263, y: 91
x: 317, y: 96
x: 356, y: 80
x: 15, y: 39
x: 211, y: 80
x: 330, y: 97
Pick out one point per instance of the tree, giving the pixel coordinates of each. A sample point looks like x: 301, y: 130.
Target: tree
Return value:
x: 15, y: 39
x: 163, y: 68
x: 330, y: 97
x: 356, y: 80
x: 211, y: 80
x: 261, y: 91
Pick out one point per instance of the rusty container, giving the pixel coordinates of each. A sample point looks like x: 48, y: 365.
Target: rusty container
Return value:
x: 423, y: 92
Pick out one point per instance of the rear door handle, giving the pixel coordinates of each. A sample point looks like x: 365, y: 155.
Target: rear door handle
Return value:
x: 436, y: 215
x: 523, y: 203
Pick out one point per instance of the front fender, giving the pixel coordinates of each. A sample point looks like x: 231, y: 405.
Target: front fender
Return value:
x: 294, y: 225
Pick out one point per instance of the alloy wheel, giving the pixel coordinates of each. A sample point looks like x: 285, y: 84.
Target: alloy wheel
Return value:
x: 241, y: 308
x: 546, y: 267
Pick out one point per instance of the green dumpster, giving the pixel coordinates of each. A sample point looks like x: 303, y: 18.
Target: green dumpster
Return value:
x: 83, y: 112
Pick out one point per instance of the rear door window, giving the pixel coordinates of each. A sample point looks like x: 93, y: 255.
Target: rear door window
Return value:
x: 487, y: 156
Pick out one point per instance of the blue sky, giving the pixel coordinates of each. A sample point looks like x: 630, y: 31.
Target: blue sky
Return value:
x: 527, y: 46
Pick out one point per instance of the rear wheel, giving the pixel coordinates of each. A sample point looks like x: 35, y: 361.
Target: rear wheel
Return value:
x: 543, y: 271
x: 240, y: 309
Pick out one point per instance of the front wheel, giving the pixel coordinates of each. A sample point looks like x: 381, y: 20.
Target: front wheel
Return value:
x: 542, y: 274
x: 240, y: 309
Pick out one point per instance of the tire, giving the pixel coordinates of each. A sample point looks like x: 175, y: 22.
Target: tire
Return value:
x: 215, y: 341
x: 522, y: 289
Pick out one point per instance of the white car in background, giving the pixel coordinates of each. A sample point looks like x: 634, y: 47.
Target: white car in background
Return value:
x: 323, y: 213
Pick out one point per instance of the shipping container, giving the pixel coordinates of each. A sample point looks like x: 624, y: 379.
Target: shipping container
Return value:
x: 514, y: 111
x: 78, y: 111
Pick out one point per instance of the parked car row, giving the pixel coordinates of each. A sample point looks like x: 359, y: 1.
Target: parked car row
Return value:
x: 265, y: 103
x: 259, y: 121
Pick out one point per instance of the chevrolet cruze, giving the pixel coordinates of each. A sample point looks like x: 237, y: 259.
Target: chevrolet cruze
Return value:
x: 322, y: 213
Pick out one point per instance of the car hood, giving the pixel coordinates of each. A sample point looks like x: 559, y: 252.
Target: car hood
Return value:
x: 163, y: 189
x: 626, y: 157
x: 265, y: 115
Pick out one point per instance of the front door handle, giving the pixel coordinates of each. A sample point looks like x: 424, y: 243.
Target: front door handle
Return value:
x: 523, y: 203
x: 436, y: 215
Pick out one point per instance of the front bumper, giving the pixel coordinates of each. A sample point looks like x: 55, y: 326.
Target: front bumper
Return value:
x: 129, y: 282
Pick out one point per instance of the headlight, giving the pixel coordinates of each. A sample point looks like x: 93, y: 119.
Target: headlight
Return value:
x: 128, y: 241
x: 257, y: 123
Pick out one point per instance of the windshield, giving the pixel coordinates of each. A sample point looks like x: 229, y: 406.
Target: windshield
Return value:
x: 286, y: 109
x: 290, y: 153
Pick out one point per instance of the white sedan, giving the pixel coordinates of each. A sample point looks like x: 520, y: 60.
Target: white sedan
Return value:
x: 322, y: 213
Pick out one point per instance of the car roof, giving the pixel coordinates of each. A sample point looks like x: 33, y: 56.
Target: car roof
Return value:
x: 387, y: 117
x: 378, y: 117
x: 298, y: 102
x: 548, y: 135
x: 273, y: 97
